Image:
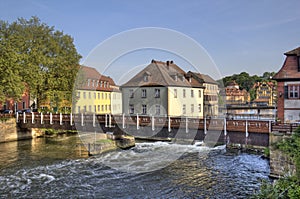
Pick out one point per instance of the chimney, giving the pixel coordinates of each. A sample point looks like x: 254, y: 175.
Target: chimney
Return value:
x: 168, y: 63
x: 171, y: 62
x: 152, y: 61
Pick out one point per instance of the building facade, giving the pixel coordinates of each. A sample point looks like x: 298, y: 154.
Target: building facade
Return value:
x: 235, y: 96
x: 265, y: 93
x: 97, y: 94
x: 163, y: 89
x: 211, y: 92
x: 288, y: 87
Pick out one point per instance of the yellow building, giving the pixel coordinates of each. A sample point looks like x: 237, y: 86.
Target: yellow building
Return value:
x: 265, y: 93
x: 94, y: 95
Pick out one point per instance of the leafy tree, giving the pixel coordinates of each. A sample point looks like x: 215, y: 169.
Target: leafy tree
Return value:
x: 36, y: 54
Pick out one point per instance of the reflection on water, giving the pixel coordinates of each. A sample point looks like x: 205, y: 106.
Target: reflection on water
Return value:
x: 47, y: 168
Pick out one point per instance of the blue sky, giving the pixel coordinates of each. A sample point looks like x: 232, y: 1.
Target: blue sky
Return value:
x: 238, y: 35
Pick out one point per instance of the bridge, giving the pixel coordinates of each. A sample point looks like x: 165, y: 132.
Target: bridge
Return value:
x: 248, y: 132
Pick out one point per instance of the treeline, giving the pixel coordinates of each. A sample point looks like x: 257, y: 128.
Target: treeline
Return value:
x: 246, y: 81
x: 37, y: 57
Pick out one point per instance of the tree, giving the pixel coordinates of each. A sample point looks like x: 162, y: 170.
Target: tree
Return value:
x: 43, y: 58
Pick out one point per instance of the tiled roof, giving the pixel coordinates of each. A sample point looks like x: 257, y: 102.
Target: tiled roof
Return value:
x: 204, y: 78
x: 290, y: 68
x: 90, y: 74
x: 159, y: 73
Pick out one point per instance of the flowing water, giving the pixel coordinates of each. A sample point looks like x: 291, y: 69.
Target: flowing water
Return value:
x: 50, y: 168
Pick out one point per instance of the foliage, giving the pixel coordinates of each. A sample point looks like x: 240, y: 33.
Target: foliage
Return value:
x: 245, y: 81
x: 289, y: 186
x: 36, y: 56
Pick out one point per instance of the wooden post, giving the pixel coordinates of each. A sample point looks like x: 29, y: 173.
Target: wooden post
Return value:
x: 123, y: 120
x: 32, y: 118
x: 24, y: 117
x: 51, y: 118
x: 152, y: 122
x: 169, y: 124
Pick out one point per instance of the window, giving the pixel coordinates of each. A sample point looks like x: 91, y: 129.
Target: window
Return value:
x: 145, y: 78
x: 89, y: 81
x: 192, y: 93
x: 97, y: 84
x: 144, y: 109
x: 131, y: 93
x: 144, y: 93
x: 131, y: 109
x: 102, y: 108
x: 78, y: 107
x: 199, y: 93
x: 24, y: 105
x: 89, y: 95
x: 93, y: 83
x: 94, y: 95
x: 95, y: 108
x: 293, y: 91
x: 84, y: 95
x: 102, y: 95
x: 90, y: 108
x: 104, y: 84
x: 175, y: 93
x: 157, y: 93
x: 183, y: 109
x: 98, y: 95
x: 192, y: 108
x: 105, y: 107
x: 78, y: 94
x: 105, y: 95
x: 157, y: 109
x: 84, y: 108
x: 199, y: 108
x: 183, y: 93
x: 101, y: 84
x: 99, y: 108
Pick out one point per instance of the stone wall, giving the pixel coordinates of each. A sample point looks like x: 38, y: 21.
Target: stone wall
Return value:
x: 10, y: 132
x: 280, y: 163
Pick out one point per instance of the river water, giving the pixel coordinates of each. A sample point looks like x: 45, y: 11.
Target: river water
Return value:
x: 50, y: 168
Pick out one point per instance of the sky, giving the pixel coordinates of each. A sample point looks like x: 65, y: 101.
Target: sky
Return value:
x: 237, y: 35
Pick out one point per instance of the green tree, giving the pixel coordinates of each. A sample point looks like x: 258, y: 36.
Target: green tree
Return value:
x: 40, y: 56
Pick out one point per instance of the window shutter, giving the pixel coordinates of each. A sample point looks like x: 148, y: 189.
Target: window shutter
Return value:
x: 286, y: 92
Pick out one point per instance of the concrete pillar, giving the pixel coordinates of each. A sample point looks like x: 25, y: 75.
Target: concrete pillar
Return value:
x: 225, y: 127
x: 24, y: 117
x: 82, y: 122
x: 42, y: 118
x: 205, y: 129
x: 51, y: 118
x: 123, y: 120
x: 246, y: 130
x: 60, y: 119
x: 109, y: 121
x: 94, y: 120
x: 137, y: 122
x: 186, y: 124
x: 17, y: 117
x: 71, y: 119
x: 32, y: 118
x: 169, y: 124
x: 105, y: 120
x: 152, y: 122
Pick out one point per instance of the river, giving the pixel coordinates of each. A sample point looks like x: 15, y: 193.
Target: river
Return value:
x: 50, y: 168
